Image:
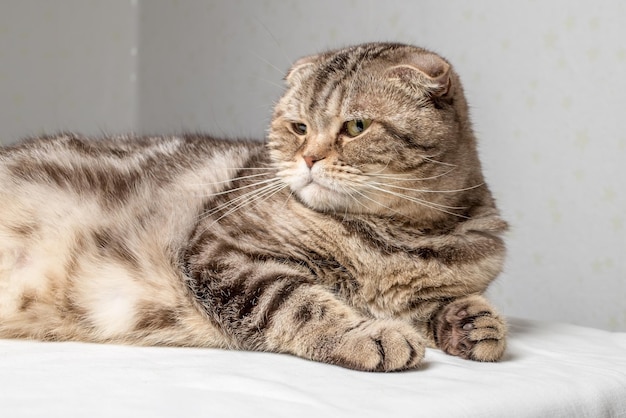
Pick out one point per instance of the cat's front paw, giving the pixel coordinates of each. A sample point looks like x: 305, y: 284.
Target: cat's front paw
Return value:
x: 379, y: 345
x: 470, y: 328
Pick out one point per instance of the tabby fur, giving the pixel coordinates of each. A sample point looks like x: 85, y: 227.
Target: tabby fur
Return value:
x: 355, y: 250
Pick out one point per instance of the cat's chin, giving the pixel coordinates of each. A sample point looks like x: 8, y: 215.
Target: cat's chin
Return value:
x: 324, y: 199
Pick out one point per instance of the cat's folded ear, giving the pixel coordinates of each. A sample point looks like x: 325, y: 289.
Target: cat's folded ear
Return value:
x: 424, y: 69
x: 300, y: 69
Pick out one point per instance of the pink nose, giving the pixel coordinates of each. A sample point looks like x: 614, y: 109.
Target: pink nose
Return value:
x: 310, y: 160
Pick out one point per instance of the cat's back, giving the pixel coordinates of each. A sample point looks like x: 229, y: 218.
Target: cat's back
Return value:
x: 91, y: 228
x: 82, y: 165
x: 88, y: 182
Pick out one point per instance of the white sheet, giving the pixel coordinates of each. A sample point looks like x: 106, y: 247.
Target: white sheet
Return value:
x: 551, y: 370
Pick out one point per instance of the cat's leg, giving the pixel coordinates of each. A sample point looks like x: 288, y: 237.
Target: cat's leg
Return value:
x: 314, y: 324
x: 470, y: 328
x: 272, y: 306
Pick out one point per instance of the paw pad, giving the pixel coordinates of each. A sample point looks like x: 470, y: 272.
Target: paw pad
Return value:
x: 470, y: 328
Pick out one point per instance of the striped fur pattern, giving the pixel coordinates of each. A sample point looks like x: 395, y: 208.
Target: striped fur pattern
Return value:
x: 361, y: 232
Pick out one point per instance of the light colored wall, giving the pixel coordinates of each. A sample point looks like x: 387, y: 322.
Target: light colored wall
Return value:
x: 547, y: 88
x: 67, y: 65
x: 545, y: 81
x: 218, y: 65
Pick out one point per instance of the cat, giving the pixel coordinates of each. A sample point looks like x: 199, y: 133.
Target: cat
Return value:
x: 359, y: 233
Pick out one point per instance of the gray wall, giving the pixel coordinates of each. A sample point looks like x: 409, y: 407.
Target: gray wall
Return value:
x: 545, y: 81
x: 67, y: 65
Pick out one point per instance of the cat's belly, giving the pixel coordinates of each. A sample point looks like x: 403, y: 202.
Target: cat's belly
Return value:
x: 39, y: 295
x: 69, y: 271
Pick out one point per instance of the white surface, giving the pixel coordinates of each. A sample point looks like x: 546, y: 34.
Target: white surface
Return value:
x: 551, y: 370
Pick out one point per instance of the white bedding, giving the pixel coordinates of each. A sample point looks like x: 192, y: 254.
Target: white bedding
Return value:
x: 551, y: 370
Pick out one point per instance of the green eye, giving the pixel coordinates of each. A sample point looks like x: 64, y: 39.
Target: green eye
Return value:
x: 356, y: 127
x: 299, y: 128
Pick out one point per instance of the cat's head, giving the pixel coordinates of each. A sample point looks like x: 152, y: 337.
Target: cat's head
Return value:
x: 376, y: 128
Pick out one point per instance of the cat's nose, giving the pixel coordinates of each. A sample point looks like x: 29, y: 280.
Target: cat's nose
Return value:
x: 311, y: 159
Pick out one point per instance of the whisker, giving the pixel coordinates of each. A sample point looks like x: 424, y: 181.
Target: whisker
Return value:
x: 245, y: 202
x: 230, y: 203
x: 288, y: 199
x: 237, y: 204
x: 233, y: 179
x: 281, y: 72
x: 426, y: 190
x: 249, y: 168
x: 376, y: 172
x: 394, y: 176
x: 246, y: 196
x: 432, y: 205
x: 425, y: 203
x: 416, y: 199
x: 350, y: 192
x: 278, y: 44
x: 354, y: 77
x: 266, y: 194
x: 355, y: 190
x: 270, y: 82
x: 247, y: 186
x: 430, y: 159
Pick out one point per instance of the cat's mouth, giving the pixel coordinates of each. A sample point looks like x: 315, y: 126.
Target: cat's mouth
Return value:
x: 320, y: 183
x: 321, y: 187
x: 318, y: 186
x: 321, y: 192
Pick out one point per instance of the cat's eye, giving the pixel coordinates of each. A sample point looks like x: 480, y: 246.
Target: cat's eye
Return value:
x: 356, y: 127
x: 299, y: 128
